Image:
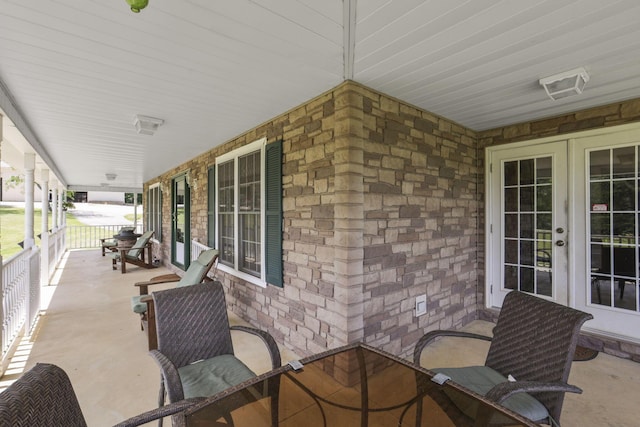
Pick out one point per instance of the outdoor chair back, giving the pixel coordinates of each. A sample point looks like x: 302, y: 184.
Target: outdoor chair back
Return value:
x: 533, y: 342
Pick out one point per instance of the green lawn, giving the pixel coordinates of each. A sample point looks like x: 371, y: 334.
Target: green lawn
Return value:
x: 12, y: 228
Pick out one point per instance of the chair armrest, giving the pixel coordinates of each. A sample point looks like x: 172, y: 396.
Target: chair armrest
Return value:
x: 161, y: 412
x: 500, y: 392
x: 170, y: 375
x: 430, y: 336
x: 266, y: 337
x: 167, y: 278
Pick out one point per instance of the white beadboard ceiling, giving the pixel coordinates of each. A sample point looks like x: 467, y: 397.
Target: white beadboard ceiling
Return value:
x: 74, y: 73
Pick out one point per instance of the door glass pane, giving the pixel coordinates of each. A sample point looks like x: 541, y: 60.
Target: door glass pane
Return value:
x: 528, y: 211
x: 614, y: 216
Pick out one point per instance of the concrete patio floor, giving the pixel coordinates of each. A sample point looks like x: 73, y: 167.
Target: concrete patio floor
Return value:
x: 88, y: 329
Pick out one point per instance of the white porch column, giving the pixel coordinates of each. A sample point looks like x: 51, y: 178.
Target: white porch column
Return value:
x: 44, y: 233
x: 135, y: 210
x: 54, y: 204
x: 29, y: 166
x: 62, y: 216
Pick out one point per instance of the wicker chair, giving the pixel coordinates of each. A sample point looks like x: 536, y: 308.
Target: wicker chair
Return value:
x: 44, y: 397
x: 143, y: 303
x: 533, y: 342
x: 195, y: 353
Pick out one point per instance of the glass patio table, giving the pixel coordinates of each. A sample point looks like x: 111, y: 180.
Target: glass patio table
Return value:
x: 355, y: 385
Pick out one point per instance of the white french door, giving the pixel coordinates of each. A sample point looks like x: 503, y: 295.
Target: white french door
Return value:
x: 607, y: 268
x: 527, y: 226
x: 563, y: 223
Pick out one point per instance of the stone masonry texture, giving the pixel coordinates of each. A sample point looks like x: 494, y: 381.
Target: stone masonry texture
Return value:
x: 382, y: 202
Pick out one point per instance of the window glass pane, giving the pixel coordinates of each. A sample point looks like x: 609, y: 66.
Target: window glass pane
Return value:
x: 624, y: 261
x: 226, y: 208
x: 599, y: 164
x: 543, y: 198
x: 249, y: 213
x: 526, y: 171
x: 510, y: 277
x: 526, y: 252
x: 511, y: 199
x: 624, y: 195
x: 511, y: 173
x: 543, y: 226
x: 600, y: 291
x: 625, y: 294
x: 624, y: 162
x: 526, y: 199
x: 543, y: 170
x: 543, y: 282
x: 526, y: 279
x: 599, y: 194
x: 600, y: 227
x: 511, y: 225
x: 526, y: 226
x: 624, y: 228
x: 511, y: 251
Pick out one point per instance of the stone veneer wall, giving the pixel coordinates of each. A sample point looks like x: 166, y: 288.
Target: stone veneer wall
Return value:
x: 382, y: 202
x: 594, y: 118
x: 380, y: 205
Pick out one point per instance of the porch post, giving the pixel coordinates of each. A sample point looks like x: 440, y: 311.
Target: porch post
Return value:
x: 135, y: 210
x: 62, y: 218
x: 44, y: 233
x: 54, y: 204
x: 29, y: 166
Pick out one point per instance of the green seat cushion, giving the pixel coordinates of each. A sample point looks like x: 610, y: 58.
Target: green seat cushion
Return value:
x: 138, y: 306
x: 208, y: 377
x: 111, y: 242
x: 481, y: 379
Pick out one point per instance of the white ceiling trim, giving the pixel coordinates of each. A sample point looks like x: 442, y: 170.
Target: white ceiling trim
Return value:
x: 349, y: 29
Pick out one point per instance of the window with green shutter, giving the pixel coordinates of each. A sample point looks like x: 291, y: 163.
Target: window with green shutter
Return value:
x: 245, y: 212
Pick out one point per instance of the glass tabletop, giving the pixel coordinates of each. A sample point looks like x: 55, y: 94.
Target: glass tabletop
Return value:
x: 355, y: 385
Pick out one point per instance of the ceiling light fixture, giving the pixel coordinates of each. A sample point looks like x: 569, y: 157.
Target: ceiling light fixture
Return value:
x: 137, y: 5
x: 110, y: 176
x: 146, y: 125
x: 565, y: 84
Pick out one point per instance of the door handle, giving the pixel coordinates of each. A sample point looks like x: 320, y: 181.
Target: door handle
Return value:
x: 559, y: 242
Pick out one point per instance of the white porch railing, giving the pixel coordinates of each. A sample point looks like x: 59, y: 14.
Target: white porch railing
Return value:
x: 20, y: 295
x: 197, y: 248
x: 20, y: 285
x: 20, y: 278
x: 88, y: 236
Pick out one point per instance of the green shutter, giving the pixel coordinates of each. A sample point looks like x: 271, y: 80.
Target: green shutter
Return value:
x: 273, y: 214
x: 211, y: 207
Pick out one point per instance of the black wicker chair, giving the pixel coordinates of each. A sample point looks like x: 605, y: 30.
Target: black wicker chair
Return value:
x: 533, y: 342
x: 44, y: 397
x: 195, y: 352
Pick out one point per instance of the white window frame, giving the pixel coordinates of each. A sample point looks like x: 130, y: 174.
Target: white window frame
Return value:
x: 258, y: 145
x: 155, y: 213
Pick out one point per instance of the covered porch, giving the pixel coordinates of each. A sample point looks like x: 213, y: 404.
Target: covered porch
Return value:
x: 87, y: 328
